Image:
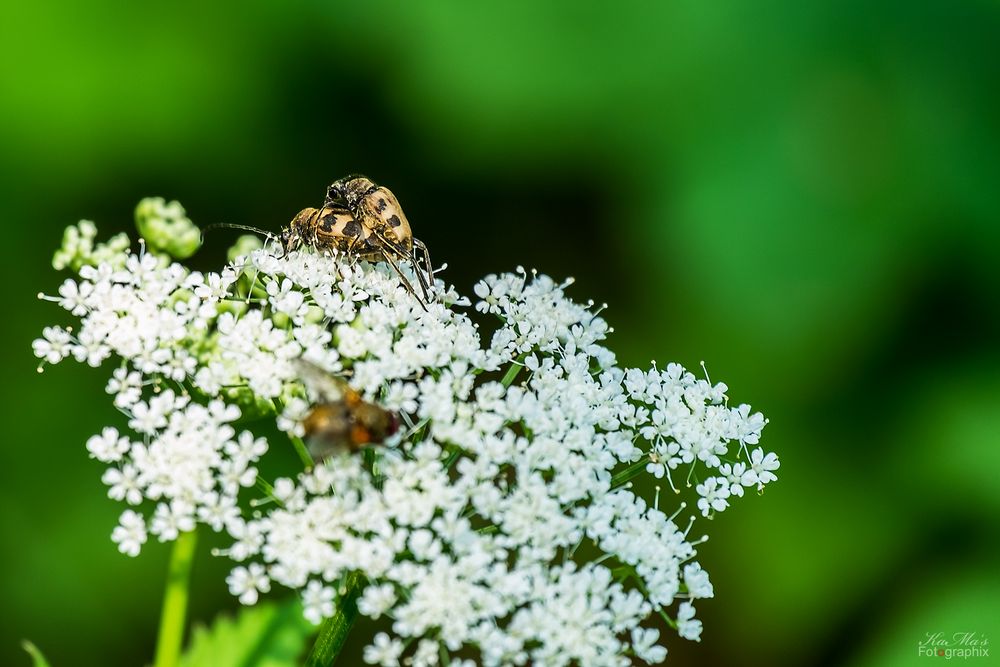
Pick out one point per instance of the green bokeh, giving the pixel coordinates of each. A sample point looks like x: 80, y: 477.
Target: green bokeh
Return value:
x: 804, y: 195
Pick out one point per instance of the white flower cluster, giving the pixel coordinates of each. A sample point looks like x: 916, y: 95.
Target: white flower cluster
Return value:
x: 186, y: 457
x: 500, y: 520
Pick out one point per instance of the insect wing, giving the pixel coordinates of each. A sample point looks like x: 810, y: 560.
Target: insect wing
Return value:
x: 321, y: 385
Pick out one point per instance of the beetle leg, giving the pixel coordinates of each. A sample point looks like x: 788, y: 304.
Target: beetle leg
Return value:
x: 314, y: 221
x: 421, y: 278
x: 402, y: 278
x: 388, y: 245
x: 354, y: 254
x: 417, y: 271
x: 428, y: 267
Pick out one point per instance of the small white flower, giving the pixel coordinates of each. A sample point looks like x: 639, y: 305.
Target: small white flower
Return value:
x: 377, y: 600
x: 147, y: 418
x: 645, y: 646
x: 734, y: 475
x: 247, y: 447
x: 124, y: 484
x: 697, y: 582
x: 130, y: 533
x: 54, y: 346
x: 747, y: 427
x: 401, y: 397
x: 169, y: 520
x: 426, y: 654
x: 74, y: 296
x: 286, y: 299
x: 688, y: 626
x: 248, y: 583
x: 249, y: 539
x: 384, y: 651
x: 217, y: 511
x: 714, y: 494
x: 761, y: 468
x: 317, y: 602
x: 90, y: 348
x: 126, y: 386
x: 108, y: 447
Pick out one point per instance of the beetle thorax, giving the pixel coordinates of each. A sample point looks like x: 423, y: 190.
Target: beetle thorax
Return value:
x: 355, y: 190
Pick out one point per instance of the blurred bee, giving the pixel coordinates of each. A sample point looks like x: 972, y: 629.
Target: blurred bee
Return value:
x: 341, y: 421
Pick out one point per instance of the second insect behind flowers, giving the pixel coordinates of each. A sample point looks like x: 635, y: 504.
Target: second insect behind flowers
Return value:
x: 340, y: 421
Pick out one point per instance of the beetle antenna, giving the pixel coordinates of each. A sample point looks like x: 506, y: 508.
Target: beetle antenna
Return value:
x: 246, y: 228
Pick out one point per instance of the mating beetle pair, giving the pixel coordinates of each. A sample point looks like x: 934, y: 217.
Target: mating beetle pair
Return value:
x: 364, y: 220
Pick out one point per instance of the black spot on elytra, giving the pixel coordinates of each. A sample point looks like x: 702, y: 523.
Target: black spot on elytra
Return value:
x: 353, y: 228
x: 394, y: 221
x: 329, y: 220
x: 381, y: 205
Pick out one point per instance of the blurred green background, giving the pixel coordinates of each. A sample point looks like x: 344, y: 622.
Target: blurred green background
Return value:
x: 804, y: 195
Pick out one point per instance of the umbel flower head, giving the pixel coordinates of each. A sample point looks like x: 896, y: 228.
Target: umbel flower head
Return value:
x: 499, y: 522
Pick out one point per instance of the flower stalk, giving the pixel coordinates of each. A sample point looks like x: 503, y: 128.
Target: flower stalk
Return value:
x: 303, y: 452
x: 513, y: 371
x: 175, y: 601
x: 628, y: 473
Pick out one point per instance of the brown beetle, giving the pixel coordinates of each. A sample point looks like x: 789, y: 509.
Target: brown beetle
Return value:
x: 385, y: 225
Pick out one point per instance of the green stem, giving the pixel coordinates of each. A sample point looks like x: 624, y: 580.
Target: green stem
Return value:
x: 297, y: 444
x: 175, y: 599
x: 513, y: 371
x: 671, y: 622
x: 630, y: 472
x: 333, y: 632
x: 452, y: 457
x: 302, y: 451
x: 371, y: 457
x: 268, y: 490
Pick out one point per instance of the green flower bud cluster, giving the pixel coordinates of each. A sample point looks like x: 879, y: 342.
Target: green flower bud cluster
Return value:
x: 166, y: 228
x: 78, y: 248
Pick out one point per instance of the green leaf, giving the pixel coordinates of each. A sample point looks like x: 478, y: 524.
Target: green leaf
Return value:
x: 266, y: 635
x: 333, y: 632
x: 36, y: 655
